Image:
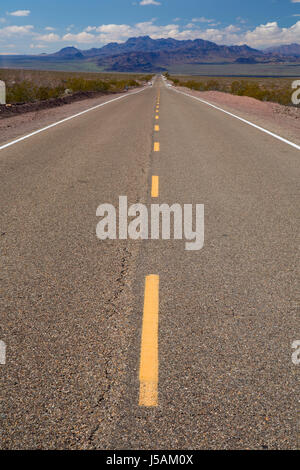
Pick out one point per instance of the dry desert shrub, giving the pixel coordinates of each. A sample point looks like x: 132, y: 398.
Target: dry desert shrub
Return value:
x: 28, y: 86
x: 274, y: 90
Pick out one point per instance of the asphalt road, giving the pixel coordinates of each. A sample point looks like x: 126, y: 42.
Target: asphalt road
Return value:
x: 72, y: 306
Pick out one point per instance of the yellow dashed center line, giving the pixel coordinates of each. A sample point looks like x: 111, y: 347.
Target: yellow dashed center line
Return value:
x: 155, y: 186
x: 149, y: 344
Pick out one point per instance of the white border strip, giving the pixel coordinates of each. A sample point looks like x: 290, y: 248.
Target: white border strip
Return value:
x: 2, y: 147
x: 240, y: 119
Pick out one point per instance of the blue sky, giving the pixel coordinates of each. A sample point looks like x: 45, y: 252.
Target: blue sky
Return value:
x: 35, y: 26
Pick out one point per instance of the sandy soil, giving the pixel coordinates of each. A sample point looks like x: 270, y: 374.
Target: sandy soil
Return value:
x: 282, y: 120
x: 10, y: 110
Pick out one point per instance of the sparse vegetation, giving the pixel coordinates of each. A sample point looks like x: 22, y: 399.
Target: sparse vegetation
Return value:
x: 277, y: 90
x: 28, y: 86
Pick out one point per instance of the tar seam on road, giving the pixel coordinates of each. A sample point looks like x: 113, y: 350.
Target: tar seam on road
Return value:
x: 155, y: 186
x: 241, y: 119
x: 149, y: 344
x: 68, y: 119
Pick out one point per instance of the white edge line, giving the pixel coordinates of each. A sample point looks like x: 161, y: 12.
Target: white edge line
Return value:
x: 240, y: 119
x: 2, y: 147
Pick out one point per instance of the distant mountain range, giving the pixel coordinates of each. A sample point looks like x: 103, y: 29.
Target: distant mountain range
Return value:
x: 289, y: 49
x: 144, y: 54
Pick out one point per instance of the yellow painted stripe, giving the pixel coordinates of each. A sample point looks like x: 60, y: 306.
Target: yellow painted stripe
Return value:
x: 156, y: 128
x: 156, y: 117
x: 149, y: 345
x: 155, y: 186
x: 156, y: 147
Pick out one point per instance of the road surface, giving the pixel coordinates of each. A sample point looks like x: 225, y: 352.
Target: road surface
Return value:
x: 73, y: 307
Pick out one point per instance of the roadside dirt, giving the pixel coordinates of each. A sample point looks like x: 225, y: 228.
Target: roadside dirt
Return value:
x: 9, y: 110
x: 282, y: 120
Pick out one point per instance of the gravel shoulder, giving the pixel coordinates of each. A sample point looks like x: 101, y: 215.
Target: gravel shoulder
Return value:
x: 282, y: 120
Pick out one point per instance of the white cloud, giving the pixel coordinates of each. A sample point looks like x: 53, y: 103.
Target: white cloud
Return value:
x: 262, y: 36
x: 51, y: 37
x: 149, y: 2
x: 9, y: 31
x: 270, y: 34
x: 83, y: 38
x: 106, y: 33
x: 19, y: 13
x: 232, y: 29
x: 37, y: 46
x: 202, y: 19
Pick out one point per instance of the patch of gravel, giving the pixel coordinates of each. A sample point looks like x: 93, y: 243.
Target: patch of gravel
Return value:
x: 8, y: 110
x: 282, y: 120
